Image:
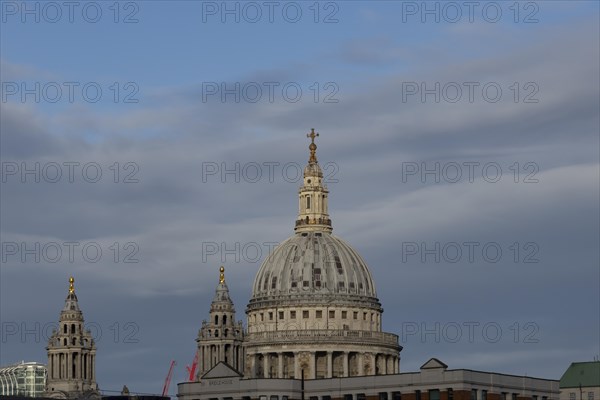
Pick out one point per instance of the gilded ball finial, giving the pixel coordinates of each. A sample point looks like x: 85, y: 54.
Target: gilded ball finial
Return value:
x: 222, y: 274
x: 71, y: 285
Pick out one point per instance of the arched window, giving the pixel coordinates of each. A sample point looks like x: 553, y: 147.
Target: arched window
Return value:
x: 225, y: 333
x: 216, y: 320
x: 65, y: 341
x: 224, y: 319
x: 74, y: 341
x: 216, y: 333
x: 65, y: 328
x: 308, y: 202
x: 72, y: 328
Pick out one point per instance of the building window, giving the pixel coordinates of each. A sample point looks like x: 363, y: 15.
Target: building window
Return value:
x: 361, y: 396
x: 434, y: 394
x: 484, y: 395
x: 292, y: 314
x: 590, y: 395
x: 308, y: 202
x: 274, y: 397
x: 504, y: 394
x: 305, y: 314
x: 270, y: 316
x: 383, y: 396
x: 280, y: 314
x: 364, y: 316
x: 355, y: 314
x: 326, y: 398
x: 331, y: 313
x: 262, y: 316
x: 514, y: 396
x: 417, y: 395
x: 474, y: 394
x: 314, y: 398
x: 348, y: 397
x: 396, y: 396
x: 572, y: 396
x: 450, y: 393
x: 534, y: 397
x: 344, y: 314
x: 319, y: 314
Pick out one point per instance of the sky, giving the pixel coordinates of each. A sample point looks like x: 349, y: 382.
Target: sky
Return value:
x: 146, y: 143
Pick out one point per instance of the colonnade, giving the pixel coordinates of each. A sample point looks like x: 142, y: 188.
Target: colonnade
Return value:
x: 321, y: 364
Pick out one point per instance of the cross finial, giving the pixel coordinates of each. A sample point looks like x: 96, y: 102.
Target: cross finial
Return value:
x: 222, y: 275
x: 312, y: 135
x: 71, y: 285
x: 312, y: 146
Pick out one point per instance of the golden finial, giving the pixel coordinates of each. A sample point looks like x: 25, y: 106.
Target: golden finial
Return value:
x: 71, y: 286
x: 222, y: 275
x: 312, y: 146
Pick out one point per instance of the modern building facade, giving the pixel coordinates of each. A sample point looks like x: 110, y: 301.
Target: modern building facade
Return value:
x: 23, y: 379
x: 314, y: 330
x: 581, y: 381
x: 71, y: 354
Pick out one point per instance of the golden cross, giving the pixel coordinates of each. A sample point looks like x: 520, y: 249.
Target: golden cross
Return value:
x: 312, y: 135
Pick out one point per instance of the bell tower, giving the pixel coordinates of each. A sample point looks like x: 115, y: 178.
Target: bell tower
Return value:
x: 220, y: 338
x: 71, y: 353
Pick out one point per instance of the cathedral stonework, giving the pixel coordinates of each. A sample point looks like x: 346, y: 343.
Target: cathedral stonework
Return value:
x: 71, y: 354
x: 314, y: 311
x: 220, y: 338
x: 314, y: 329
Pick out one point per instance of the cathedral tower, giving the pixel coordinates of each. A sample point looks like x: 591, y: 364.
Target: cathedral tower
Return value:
x: 220, y: 339
x: 71, y: 353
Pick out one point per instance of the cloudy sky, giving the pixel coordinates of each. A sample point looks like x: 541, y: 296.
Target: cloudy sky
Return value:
x: 146, y: 143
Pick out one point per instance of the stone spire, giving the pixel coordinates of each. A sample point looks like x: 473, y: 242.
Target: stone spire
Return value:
x: 220, y: 338
x: 312, y: 195
x: 71, y: 353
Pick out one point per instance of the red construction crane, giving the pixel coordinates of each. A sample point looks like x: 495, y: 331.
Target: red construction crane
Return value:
x: 192, y: 370
x: 165, y: 391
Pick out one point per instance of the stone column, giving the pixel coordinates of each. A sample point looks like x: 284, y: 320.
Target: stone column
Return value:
x: 360, y: 358
x: 329, y: 373
x: 266, y: 366
x: 297, y: 372
x: 280, y: 365
x: 313, y: 366
x: 345, y: 362
x: 252, y: 371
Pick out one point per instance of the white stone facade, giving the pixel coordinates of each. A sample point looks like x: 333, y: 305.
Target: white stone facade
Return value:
x: 71, y: 354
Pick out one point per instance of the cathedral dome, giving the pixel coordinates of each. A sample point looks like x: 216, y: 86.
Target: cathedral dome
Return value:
x: 314, y: 265
x: 314, y: 307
